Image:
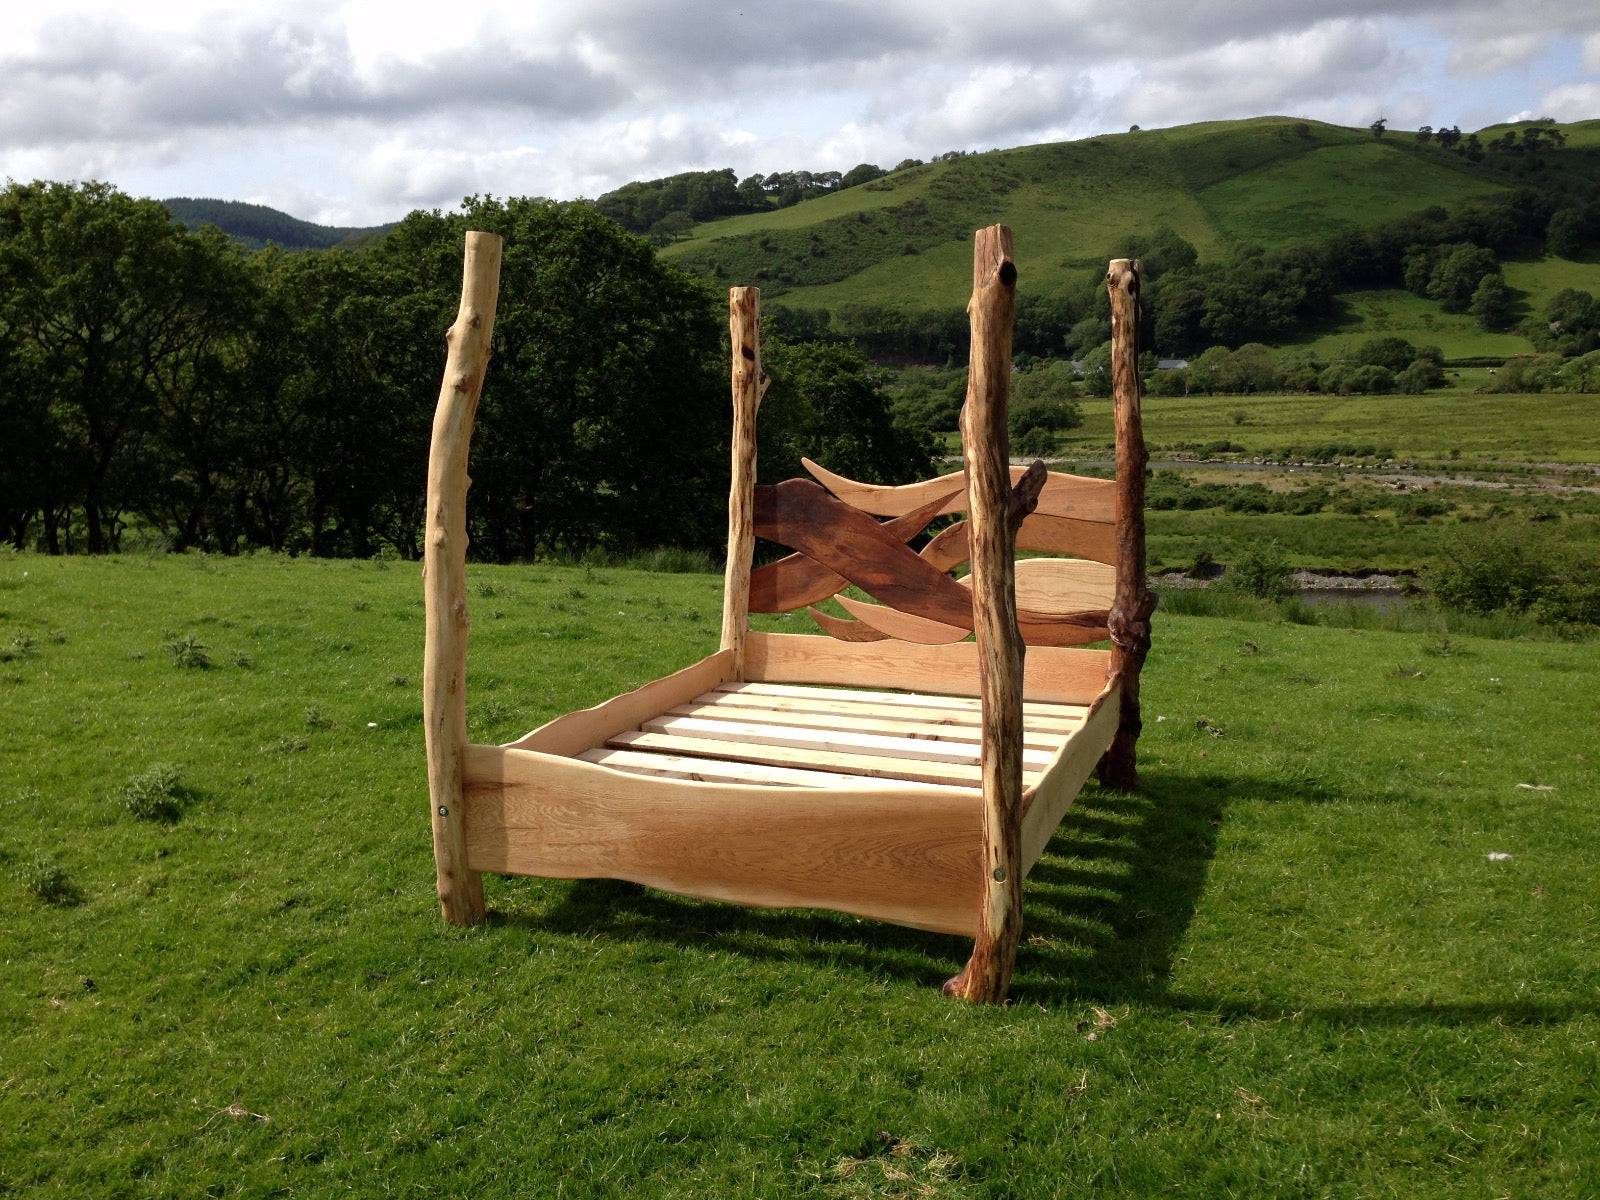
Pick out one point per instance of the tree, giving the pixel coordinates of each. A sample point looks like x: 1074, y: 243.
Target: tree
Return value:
x: 1565, y: 235
x: 1425, y: 133
x: 105, y: 294
x: 1456, y: 277
x: 1491, y: 302
x: 1379, y: 127
x: 861, y: 173
x: 1393, y: 352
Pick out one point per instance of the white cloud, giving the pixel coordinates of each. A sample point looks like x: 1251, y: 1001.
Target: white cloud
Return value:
x: 384, y: 105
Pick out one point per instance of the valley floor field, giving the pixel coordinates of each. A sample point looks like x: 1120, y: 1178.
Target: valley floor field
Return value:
x: 1341, y: 943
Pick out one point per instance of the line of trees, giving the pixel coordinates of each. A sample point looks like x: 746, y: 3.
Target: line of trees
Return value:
x: 163, y: 380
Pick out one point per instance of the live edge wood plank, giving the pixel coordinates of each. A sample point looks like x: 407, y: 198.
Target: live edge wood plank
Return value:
x: 588, y: 727
x: 1048, y: 800
x: 907, y: 856
x: 1066, y: 675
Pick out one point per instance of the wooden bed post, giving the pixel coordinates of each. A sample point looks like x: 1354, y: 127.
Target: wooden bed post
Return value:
x: 744, y: 336
x: 444, y: 573
x: 987, y: 449
x: 1133, y: 602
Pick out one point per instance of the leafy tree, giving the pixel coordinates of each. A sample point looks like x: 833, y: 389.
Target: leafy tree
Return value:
x: 1567, y: 232
x: 1379, y: 127
x: 1425, y: 133
x: 1458, y: 272
x: 861, y: 173
x: 103, y: 295
x: 1491, y: 302
x: 1393, y: 352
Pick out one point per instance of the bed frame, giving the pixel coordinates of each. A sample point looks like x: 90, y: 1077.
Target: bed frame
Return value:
x: 892, y: 769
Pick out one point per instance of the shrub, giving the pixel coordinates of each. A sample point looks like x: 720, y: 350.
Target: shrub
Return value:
x: 1419, y: 377
x: 1371, y: 381
x: 155, y: 795
x: 1261, y: 570
x: 48, y: 882
x: 1485, y: 573
x: 189, y: 652
x: 1034, y: 442
x: 1393, y: 352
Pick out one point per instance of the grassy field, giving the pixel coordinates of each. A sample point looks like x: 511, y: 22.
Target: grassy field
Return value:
x: 905, y: 241
x: 1292, y: 966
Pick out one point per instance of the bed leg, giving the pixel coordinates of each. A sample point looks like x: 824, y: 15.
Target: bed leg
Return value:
x: 987, y: 975
x: 1133, y: 602
x: 744, y: 334
x: 444, y: 573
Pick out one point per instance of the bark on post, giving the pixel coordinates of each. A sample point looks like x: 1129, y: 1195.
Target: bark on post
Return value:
x: 987, y: 450
x: 744, y: 336
x: 444, y: 669
x: 1133, y: 602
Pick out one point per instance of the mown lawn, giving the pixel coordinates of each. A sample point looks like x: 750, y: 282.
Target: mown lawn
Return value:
x: 1289, y: 967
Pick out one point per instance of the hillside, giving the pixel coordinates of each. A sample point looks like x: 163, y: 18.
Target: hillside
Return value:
x: 256, y: 225
x: 903, y: 241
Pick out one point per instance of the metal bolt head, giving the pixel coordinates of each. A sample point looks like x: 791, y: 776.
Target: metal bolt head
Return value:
x: 444, y: 810
x: 999, y: 874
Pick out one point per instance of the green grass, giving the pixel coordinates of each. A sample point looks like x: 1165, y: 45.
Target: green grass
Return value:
x: 1487, y: 427
x: 1287, y: 967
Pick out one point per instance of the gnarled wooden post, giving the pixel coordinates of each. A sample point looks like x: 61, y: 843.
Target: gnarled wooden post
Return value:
x: 444, y: 667
x: 744, y: 335
x: 1133, y: 602
x: 992, y: 540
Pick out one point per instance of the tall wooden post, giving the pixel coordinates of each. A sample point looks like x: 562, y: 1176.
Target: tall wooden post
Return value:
x: 987, y: 450
x: 444, y: 667
x: 1133, y: 602
x: 744, y: 336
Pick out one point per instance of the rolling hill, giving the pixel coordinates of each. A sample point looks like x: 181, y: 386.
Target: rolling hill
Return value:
x: 256, y: 225
x: 904, y: 241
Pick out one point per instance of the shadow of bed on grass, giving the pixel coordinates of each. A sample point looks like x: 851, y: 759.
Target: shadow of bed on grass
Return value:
x: 1107, y: 909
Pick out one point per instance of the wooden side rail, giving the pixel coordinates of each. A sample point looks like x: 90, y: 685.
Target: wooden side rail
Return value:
x: 444, y: 573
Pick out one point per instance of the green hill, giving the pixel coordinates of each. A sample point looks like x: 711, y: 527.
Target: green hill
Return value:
x: 904, y: 241
x: 256, y: 225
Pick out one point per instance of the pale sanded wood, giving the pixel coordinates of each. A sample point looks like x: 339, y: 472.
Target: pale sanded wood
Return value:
x: 992, y: 522
x: 797, y: 581
x: 444, y: 666
x: 833, y: 741
x: 907, y: 856
x: 947, y: 730
x: 842, y: 629
x: 824, y: 710
x: 1131, y: 611
x: 1062, y: 674
x: 874, y: 766
x: 1064, y: 585
x: 1081, y: 497
x: 1038, y: 534
x: 748, y: 384
x: 1048, y: 800
x: 968, y: 704
x: 588, y: 727
x: 716, y: 770
x: 1071, y: 628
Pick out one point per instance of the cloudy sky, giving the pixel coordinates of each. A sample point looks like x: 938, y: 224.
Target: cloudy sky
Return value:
x: 352, y: 113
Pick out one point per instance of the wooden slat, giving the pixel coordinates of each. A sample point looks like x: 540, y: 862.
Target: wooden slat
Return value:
x: 825, y: 710
x: 877, y: 767
x: 971, y: 704
x: 906, y: 855
x: 1037, y: 534
x: 1047, y: 803
x: 797, y: 581
x: 834, y: 741
x: 845, y: 631
x: 588, y: 727
x: 716, y: 770
x: 1052, y: 673
x: 1071, y: 628
x: 1081, y: 497
x: 959, y: 731
x: 802, y: 515
x: 1064, y: 585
